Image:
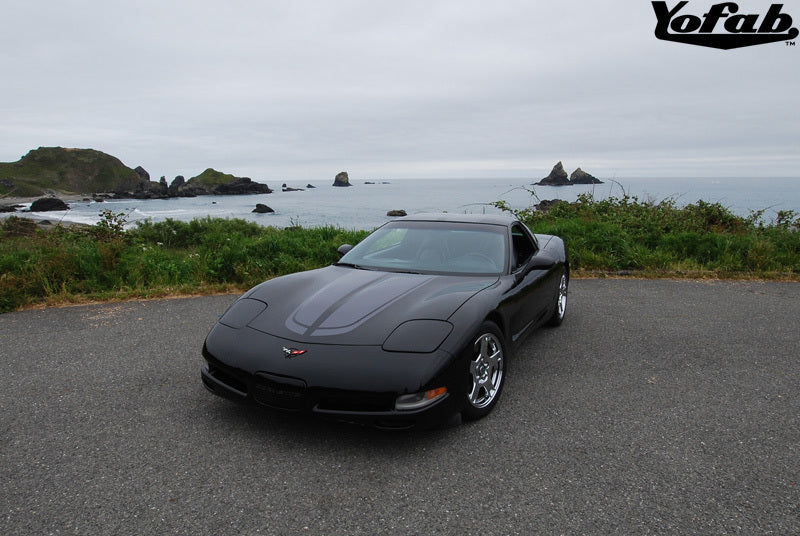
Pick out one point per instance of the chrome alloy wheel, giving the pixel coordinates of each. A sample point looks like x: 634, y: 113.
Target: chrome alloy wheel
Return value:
x: 486, y: 370
x: 562, y: 296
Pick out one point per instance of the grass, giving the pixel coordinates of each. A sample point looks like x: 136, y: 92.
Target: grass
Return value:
x: 610, y: 236
x: 155, y: 259
x: 212, y: 177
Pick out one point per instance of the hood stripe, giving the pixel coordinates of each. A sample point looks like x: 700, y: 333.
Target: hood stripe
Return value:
x: 354, y: 306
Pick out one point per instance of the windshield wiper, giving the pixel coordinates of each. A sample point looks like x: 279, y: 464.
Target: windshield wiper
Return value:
x: 352, y: 265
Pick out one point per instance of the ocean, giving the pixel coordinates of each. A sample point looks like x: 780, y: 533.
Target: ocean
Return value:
x: 364, y: 206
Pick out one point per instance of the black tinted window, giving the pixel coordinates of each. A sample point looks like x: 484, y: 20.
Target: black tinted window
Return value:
x: 523, y: 246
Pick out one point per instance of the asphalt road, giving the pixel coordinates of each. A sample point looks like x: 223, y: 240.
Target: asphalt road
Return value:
x: 659, y: 407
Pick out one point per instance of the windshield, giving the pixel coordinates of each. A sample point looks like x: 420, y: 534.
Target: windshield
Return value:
x: 460, y: 248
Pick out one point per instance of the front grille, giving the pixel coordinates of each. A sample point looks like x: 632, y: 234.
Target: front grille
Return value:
x: 279, y: 391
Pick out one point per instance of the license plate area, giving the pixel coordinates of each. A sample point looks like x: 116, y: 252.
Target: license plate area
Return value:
x: 279, y: 391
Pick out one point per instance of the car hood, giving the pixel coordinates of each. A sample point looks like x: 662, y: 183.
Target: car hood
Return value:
x: 341, y: 305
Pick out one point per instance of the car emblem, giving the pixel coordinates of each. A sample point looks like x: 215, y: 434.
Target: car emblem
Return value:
x: 292, y: 352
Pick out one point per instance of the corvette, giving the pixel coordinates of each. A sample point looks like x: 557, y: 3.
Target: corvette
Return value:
x: 413, y: 325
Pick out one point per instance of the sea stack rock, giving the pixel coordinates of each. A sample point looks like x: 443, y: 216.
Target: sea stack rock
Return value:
x: 46, y: 204
x: 148, y: 190
x: 342, y: 179
x: 261, y: 208
x: 581, y: 177
x: 557, y: 177
x: 396, y: 213
x: 175, y: 186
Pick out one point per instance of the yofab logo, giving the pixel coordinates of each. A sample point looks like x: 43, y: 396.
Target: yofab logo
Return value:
x: 723, y: 26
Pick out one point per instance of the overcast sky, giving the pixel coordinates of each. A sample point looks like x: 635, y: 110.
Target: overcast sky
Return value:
x: 300, y: 89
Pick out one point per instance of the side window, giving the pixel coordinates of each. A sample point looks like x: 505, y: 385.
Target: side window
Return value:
x: 523, y: 246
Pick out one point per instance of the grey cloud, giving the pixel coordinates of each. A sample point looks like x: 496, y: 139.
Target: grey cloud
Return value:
x: 436, y: 88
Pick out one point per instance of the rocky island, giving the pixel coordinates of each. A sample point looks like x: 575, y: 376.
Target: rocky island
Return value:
x: 558, y: 177
x: 581, y: 177
x: 342, y: 179
x: 209, y: 182
x: 56, y: 170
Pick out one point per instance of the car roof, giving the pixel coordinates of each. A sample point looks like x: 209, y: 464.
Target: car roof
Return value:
x: 494, y: 219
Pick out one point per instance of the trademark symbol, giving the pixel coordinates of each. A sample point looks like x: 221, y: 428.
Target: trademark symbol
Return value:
x: 789, y: 43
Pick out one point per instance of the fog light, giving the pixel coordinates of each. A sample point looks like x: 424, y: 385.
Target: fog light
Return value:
x: 419, y: 400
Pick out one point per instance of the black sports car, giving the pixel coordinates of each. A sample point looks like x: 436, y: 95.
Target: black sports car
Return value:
x: 412, y: 325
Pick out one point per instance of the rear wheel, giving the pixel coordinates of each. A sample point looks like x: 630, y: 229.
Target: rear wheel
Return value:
x: 485, y: 372
x: 561, y: 301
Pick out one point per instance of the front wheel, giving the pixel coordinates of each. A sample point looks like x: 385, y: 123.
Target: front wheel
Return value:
x: 486, y: 371
x: 561, y: 301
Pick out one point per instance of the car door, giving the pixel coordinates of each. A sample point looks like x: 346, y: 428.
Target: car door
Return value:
x: 528, y: 294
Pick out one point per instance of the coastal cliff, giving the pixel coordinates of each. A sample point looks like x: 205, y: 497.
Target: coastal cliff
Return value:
x: 75, y: 171
x: 58, y: 170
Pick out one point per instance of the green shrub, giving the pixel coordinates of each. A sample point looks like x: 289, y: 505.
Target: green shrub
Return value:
x: 621, y: 234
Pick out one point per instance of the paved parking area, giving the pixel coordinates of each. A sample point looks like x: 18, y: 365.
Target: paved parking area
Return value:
x: 659, y: 407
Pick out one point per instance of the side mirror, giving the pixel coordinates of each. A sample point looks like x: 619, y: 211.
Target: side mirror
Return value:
x: 344, y: 248
x: 541, y: 261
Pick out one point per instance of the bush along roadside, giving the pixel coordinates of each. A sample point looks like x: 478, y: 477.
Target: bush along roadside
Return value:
x: 609, y: 236
x: 101, y: 262
x: 657, y: 239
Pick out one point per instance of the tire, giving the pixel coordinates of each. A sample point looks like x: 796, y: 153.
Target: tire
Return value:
x: 485, y: 371
x: 560, y: 308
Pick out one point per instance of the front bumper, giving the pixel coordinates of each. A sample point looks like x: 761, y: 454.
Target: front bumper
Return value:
x: 358, y: 385
x: 370, y: 409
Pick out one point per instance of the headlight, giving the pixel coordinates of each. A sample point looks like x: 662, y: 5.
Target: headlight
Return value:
x: 419, y: 400
x: 418, y: 336
x: 242, y: 312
